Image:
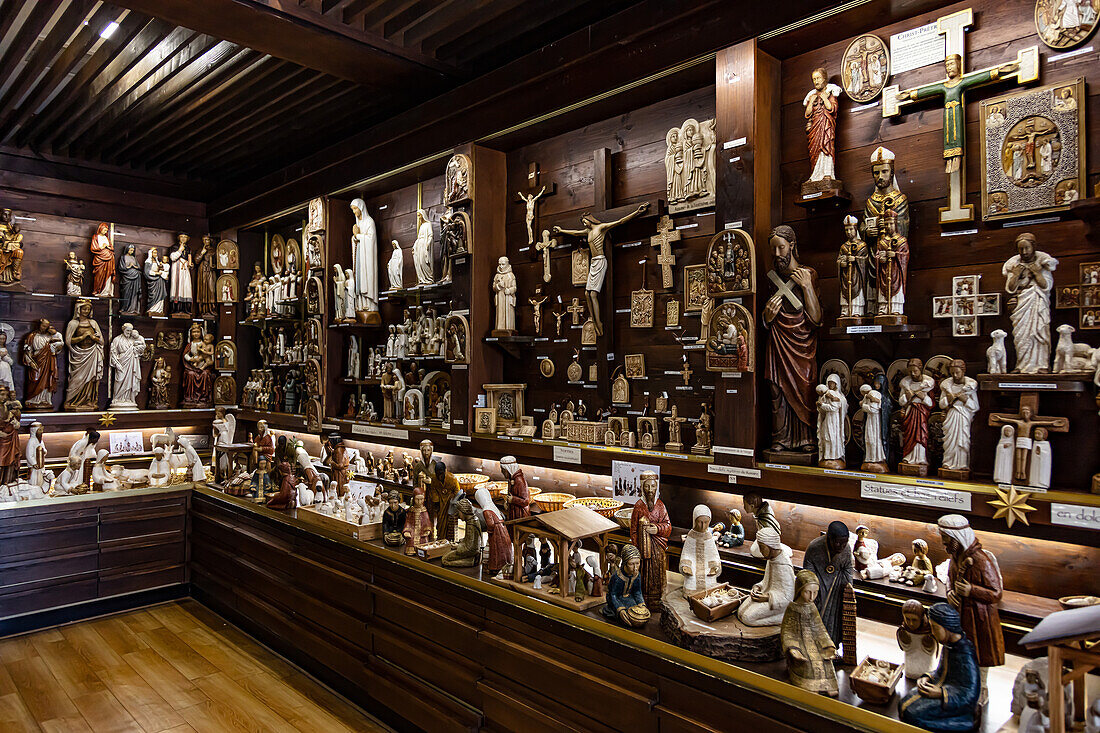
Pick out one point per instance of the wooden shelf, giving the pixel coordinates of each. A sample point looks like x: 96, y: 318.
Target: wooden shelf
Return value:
x: 364, y: 326
x: 510, y: 344
x: 289, y: 420
x: 871, y: 330
x: 1034, y: 382
x: 129, y: 419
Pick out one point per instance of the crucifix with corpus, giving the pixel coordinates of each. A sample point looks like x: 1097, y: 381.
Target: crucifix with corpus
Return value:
x: 662, y: 240
x: 953, y: 90
x: 543, y: 246
x: 531, y: 198
x: 1025, y: 422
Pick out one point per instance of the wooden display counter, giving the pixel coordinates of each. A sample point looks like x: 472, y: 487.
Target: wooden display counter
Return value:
x: 77, y: 556
x: 444, y: 650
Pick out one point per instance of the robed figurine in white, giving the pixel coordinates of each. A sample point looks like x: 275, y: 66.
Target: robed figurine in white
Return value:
x: 1039, y: 475
x: 422, y: 249
x: 699, y: 561
x: 768, y: 599
x: 126, y: 351
x: 1029, y: 276
x: 874, y: 452
x: 832, y: 408
x: 959, y: 401
x: 504, y: 298
x: 395, y: 268
x: 349, y: 296
x: 1004, y: 457
x: 365, y: 250
x: 339, y: 294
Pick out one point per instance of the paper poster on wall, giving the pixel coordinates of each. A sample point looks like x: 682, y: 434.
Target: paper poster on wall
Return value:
x: 917, y: 47
x: 127, y: 444
x: 626, y: 480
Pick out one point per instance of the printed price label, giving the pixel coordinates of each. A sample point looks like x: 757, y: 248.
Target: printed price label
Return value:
x: 567, y: 454
x: 918, y: 495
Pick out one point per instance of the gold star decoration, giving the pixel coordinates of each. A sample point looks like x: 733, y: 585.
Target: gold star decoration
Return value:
x: 107, y: 419
x: 1011, y: 505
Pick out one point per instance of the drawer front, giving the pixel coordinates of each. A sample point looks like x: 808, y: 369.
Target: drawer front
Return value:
x: 130, y: 581
x: 170, y: 549
x: 48, y: 567
x: 33, y: 538
x: 84, y: 588
x: 147, y: 520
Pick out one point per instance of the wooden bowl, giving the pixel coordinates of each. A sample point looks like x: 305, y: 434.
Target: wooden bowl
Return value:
x: 552, y: 501
x: 1069, y: 602
x: 470, y: 481
x: 623, y: 517
x: 602, y: 505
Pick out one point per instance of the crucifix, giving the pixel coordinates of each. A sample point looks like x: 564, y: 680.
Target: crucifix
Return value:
x: 558, y: 315
x: 531, y: 197
x: 536, y: 302
x: 674, y: 421
x: 576, y: 309
x: 543, y: 246
x: 686, y: 372
x: 641, y: 304
x: 1025, y: 422
x: 784, y: 288
x: 953, y: 90
x: 663, y: 239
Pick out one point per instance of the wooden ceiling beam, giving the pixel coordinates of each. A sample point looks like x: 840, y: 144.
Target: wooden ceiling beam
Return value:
x: 187, y: 81
x: 375, y: 17
x: 11, y: 116
x: 130, y: 31
x: 139, y: 143
x: 281, y: 96
x: 159, y: 66
x: 28, y: 33
x: 426, y: 12
x: 439, y: 40
x: 289, y: 31
x: 335, y: 8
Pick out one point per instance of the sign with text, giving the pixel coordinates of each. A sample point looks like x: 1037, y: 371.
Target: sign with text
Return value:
x: 919, y: 495
x: 567, y: 454
x: 1075, y: 515
x: 626, y: 480
x: 916, y: 47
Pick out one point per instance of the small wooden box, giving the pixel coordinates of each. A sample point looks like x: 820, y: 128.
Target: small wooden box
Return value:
x: 873, y: 691
x: 433, y: 550
x: 361, y: 532
x: 706, y: 613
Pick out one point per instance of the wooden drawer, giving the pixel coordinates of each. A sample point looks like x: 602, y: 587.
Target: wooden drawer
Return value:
x: 686, y: 708
x: 119, y: 522
x: 511, y: 708
x: 42, y: 596
x: 434, y: 663
x: 61, y: 532
x: 426, y: 622
x: 420, y: 704
x: 48, y: 567
x: 166, y: 549
x: 135, y: 579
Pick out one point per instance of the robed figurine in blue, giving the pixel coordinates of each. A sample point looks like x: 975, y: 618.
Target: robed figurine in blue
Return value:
x: 946, y: 699
x: 624, y: 590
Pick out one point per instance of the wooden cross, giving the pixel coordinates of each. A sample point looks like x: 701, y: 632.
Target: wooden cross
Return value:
x: 544, y: 246
x: 686, y: 372
x: 953, y: 89
x: 1025, y: 421
x: 784, y: 288
x: 577, y: 310
x: 666, y: 235
x: 674, y: 421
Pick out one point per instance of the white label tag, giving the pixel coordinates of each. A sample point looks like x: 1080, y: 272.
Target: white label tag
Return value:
x: 567, y: 454
x: 1026, y: 385
x: 1075, y: 515
x: 379, y: 432
x: 730, y: 450
x: 460, y: 438
x: 864, y: 329
x: 918, y: 495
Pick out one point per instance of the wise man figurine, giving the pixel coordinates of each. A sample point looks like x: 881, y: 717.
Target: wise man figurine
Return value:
x: 1029, y: 278
x: 852, y: 267
x: 650, y: 528
x: 792, y: 315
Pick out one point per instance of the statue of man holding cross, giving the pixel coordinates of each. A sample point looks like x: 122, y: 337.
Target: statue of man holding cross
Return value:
x: 792, y: 315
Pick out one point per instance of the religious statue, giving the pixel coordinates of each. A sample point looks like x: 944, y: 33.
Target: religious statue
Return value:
x: 466, y: 552
x: 159, y: 379
x: 422, y: 249
x: 852, y: 269
x: 504, y: 299
x: 916, y: 640
x: 792, y: 315
x: 699, y: 561
x: 625, y: 600
x: 127, y: 349
x: 948, y: 698
x: 197, y: 380
x: 519, y: 496
x: 768, y: 599
x: 530, y: 200
x: 129, y: 281
x: 395, y: 268
x: 339, y: 294
x: 35, y: 454
x: 156, y: 284
x: 1029, y: 278
x: 690, y: 165
x: 536, y: 302
x: 915, y: 401
x: 832, y: 411
x: 206, y: 278
x: 74, y: 274
x: 892, y: 267
x: 886, y: 196
x: 830, y: 558
x: 1014, y: 461
x: 456, y: 179
x: 650, y: 529
x: 393, y: 520
x: 103, y: 262
x: 762, y: 512
x: 454, y: 236
x: 807, y: 646
x: 821, y: 105
x: 418, y: 524
x: 181, y: 291
x: 974, y: 589
x: 499, y: 541
x: 734, y: 533
x: 874, y: 441
x: 364, y: 249
x: 11, y: 250
x: 442, y: 491
x: 10, y: 414
x: 959, y: 401
x: 953, y: 90
x: 596, y: 234
x: 84, y: 339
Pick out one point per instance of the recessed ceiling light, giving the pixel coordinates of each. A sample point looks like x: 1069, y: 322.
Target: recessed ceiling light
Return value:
x: 109, y: 30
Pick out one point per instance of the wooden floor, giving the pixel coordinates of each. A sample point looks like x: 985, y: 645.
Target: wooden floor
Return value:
x: 177, y: 667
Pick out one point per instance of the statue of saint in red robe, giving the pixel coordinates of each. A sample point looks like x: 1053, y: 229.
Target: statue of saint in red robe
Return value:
x: 650, y: 529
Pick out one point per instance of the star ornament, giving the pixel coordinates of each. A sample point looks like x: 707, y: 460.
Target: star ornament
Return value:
x: 107, y: 419
x: 1012, y: 505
